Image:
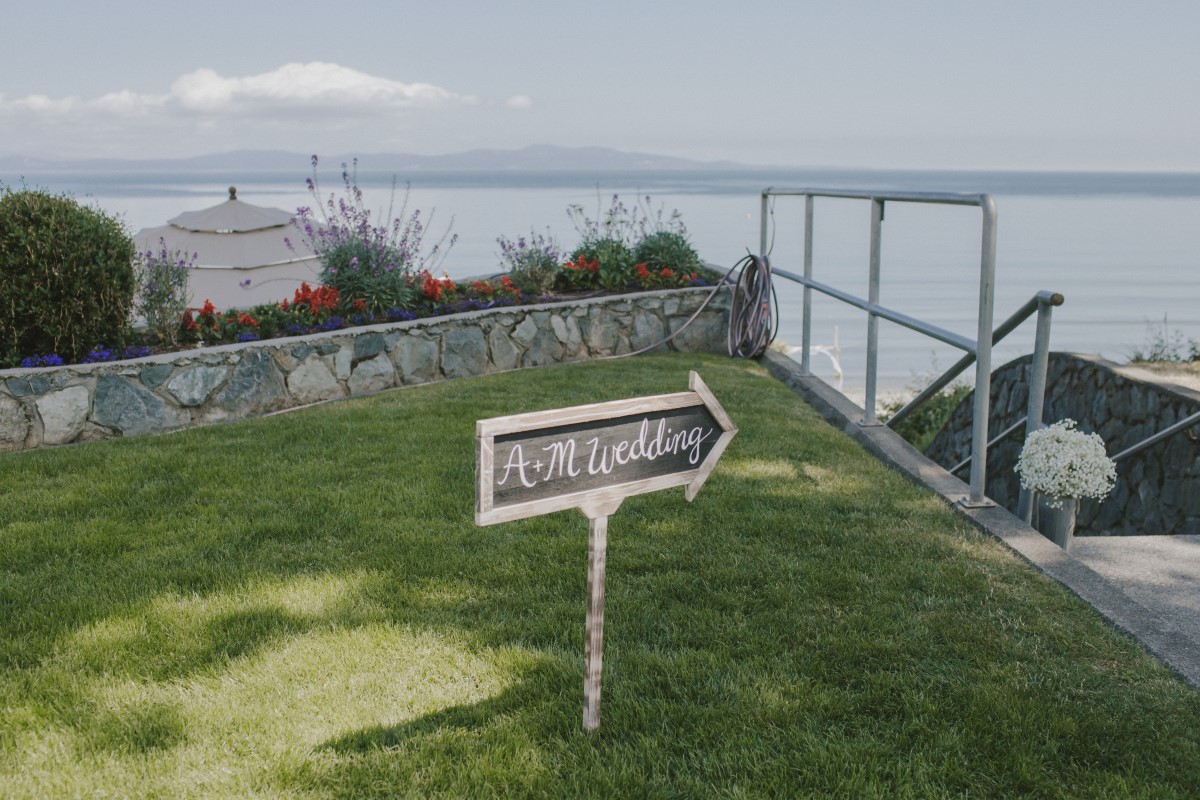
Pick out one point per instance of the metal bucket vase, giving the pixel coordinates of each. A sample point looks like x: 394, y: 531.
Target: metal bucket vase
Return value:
x: 1057, y: 524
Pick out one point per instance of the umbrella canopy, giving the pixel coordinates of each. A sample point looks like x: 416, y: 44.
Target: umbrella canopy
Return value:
x: 242, y: 255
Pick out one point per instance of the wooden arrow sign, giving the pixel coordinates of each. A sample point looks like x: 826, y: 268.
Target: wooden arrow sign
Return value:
x: 592, y: 457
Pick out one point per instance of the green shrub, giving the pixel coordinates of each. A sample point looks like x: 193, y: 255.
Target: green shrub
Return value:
x: 373, y: 272
x: 615, y: 260
x: 667, y: 250
x: 66, y: 277
x: 919, y: 428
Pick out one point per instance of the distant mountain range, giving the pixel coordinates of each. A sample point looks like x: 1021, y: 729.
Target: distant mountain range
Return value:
x: 545, y: 157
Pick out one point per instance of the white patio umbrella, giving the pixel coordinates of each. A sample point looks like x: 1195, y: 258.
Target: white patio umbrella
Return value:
x: 242, y: 256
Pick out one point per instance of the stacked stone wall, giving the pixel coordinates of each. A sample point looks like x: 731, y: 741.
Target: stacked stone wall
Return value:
x: 63, y: 405
x: 1157, y: 490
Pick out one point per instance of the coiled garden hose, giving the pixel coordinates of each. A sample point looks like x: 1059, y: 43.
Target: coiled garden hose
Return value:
x: 752, y: 325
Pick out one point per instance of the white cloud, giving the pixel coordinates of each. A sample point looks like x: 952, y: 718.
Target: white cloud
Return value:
x: 519, y: 101
x: 292, y: 87
x: 307, y: 85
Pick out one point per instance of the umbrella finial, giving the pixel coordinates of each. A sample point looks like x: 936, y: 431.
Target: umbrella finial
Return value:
x: 233, y: 193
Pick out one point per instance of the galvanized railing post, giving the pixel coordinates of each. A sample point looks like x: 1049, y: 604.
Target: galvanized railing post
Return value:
x: 872, y: 318
x: 1037, y: 388
x: 983, y: 358
x: 806, y: 322
x: 762, y: 222
x: 978, y: 350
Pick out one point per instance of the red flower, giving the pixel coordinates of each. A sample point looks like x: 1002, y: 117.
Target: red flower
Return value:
x: 508, y: 287
x: 431, y: 288
x: 581, y: 264
x: 323, y: 298
x: 667, y: 273
x: 642, y: 272
x: 359, y: 304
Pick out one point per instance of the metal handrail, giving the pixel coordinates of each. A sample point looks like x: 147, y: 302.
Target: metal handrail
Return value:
x: 1040, y: 303
x: 980, y: 348
x: 941, y: 334
x: 1183, y: 424
x: 999, y: 437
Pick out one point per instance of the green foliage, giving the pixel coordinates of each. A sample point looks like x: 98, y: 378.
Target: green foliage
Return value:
x: 667, y: 250
x: 162, y: 296
x: 66, y: 277
x: 343, y: 267
x: 614, y: 261
x: 919, y: 428
x: 631, y: 247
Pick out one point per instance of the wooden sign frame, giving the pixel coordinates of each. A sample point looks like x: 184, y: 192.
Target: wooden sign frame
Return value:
x: 601, y: 500
x: 596, y: 494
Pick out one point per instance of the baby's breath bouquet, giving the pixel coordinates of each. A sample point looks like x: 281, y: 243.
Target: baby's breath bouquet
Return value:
x: 1061, y: 462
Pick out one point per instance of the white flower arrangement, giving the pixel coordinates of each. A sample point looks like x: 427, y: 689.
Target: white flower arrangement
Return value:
x: 1059, y: 461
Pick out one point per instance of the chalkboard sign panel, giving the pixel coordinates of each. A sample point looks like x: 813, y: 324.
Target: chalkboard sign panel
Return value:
x: 576, y: 458
x: 531, y: 464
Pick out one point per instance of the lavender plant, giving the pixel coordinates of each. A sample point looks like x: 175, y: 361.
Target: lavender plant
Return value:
x: 624, y: 224
x: 531, y: 263
x: 162, y: 295
x: 363, y: 258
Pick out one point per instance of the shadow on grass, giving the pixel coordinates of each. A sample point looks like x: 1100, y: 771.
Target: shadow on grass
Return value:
x: 537, y: 704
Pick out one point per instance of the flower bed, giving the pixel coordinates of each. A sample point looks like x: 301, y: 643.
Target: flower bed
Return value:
x: 47, y: 406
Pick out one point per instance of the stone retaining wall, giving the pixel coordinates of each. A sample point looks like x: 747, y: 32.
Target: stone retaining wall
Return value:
x: 61, y: 405
x: 1157, y: 490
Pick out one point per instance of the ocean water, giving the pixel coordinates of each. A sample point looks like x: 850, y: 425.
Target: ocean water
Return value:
x: 1120, y: 247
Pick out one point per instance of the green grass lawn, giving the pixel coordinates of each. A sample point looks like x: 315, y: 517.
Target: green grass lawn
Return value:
x: 302, y: 606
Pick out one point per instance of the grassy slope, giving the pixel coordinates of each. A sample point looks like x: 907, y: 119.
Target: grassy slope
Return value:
x: 302, y: 606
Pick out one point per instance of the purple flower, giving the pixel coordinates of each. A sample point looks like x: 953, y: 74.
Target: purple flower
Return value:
x: 48, y: 360
x: 98, y: 354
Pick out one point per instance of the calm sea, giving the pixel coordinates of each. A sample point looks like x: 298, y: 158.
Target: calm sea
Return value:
x: 1122, y: 248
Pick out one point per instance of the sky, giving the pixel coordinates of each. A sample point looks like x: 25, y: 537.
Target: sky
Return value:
x: 926, y: 84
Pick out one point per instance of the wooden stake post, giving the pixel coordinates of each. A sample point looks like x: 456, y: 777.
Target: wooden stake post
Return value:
x: 592, y: 457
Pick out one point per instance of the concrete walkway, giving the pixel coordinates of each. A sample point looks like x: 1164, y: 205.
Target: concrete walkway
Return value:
x: 1145, y: 586
x: 1160, y: 572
